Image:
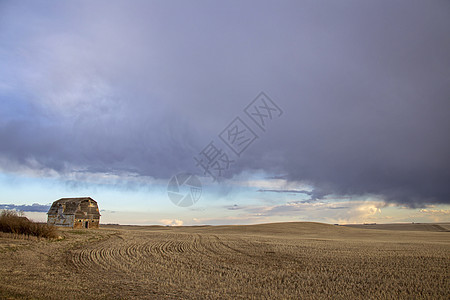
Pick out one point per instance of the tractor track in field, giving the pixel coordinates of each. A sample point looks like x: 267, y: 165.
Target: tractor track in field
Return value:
x: 122, y: 254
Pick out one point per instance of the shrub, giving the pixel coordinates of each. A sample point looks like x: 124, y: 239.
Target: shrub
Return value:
x: 14, y: 222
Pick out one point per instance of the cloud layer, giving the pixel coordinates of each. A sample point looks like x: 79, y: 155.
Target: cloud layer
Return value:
x: 27, y: 208
x: 141, y: 88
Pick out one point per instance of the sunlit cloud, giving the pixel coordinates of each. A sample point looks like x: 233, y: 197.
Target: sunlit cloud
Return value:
x: 172, y: 222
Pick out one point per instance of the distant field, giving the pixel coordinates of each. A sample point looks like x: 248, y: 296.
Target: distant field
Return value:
x: 275, y: 261
x: 406, y: 226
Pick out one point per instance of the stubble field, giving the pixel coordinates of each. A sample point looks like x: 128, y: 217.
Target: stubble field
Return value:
x: 267, y: 261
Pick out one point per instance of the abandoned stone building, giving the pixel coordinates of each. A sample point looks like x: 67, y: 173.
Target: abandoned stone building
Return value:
x: 74, y: 212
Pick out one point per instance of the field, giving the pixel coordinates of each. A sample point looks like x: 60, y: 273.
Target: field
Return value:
x: 275, y: 261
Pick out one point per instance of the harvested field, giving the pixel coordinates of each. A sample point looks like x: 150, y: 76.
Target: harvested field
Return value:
x: 406, y: 226
x: 277, y: 261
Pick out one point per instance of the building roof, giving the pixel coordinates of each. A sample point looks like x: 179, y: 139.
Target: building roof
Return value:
x: 72, y: 206
x: 77, y: 200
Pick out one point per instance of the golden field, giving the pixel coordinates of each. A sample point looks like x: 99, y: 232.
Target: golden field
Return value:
x: 267, y: 261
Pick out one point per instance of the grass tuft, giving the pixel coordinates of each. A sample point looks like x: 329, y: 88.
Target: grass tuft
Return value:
x: 14, y: 222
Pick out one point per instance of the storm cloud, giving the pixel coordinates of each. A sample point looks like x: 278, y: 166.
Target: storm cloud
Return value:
x: 142, y: 87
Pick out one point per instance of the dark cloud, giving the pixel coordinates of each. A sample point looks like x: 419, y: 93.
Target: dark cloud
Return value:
x: 234, y: 207
x: 143, y: 87
x: 285, y: 191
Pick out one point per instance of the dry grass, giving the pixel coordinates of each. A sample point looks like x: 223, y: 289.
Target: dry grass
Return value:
x: 275, y: 261
x: 14, y: 222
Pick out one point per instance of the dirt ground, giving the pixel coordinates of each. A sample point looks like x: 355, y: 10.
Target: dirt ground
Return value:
x: 267, y: 261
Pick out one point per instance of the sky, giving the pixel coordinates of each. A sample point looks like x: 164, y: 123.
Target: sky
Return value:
x: 327, y: 111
